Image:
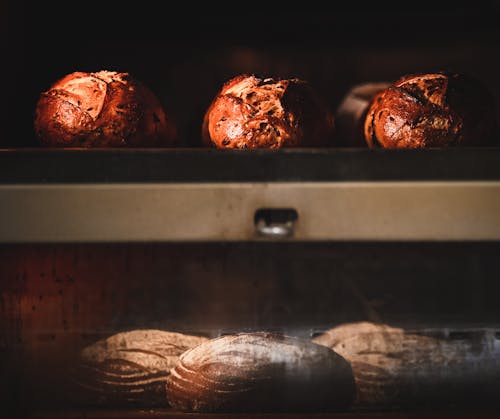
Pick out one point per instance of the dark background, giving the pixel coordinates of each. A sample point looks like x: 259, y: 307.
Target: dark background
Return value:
x: 184, y: 55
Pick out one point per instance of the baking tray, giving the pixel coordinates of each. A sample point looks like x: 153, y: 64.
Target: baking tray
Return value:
x: 198, y: 165
x: 170, y: 414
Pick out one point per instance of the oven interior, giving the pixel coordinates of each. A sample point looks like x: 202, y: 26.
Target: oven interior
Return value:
x: 56, y: 298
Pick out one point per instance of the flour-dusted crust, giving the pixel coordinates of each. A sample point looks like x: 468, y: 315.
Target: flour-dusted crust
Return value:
x: 396, y: 368
x: 260, y: 372
x: 130, y: 367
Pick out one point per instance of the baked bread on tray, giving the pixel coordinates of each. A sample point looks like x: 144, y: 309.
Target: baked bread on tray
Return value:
x: 259, y: 372
x: 250, y: 112
x: 431, y: 110
x: 102, y: 109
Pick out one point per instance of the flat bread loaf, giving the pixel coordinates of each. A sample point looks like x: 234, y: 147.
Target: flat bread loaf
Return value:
x: 260, y: 372
x: 130, y: 367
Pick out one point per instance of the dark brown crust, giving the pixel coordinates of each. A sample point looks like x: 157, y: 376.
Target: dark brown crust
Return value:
x: 260, y: 372
x: 431, y: 110
x: 251, y: 112
x: 112, y: 111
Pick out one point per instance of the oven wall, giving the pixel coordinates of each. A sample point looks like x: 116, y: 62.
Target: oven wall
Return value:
x: 57, y: 299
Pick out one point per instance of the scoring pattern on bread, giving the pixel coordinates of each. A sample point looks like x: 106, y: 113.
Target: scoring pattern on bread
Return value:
x: 251, y: 112
x: 130, y: 367
x: 260, y: 372
x: 102, y: 109
x: 431, y: 110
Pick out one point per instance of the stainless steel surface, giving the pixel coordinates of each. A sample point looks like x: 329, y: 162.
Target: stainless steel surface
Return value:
x: 275, y: 222
x: 274, y: 230
x: 224, y: 211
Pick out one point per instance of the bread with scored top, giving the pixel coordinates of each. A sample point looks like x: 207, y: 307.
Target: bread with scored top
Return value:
x: 250, y: 112
x: 431, y: 110
x: 260, y: 372
x: 102, y: 109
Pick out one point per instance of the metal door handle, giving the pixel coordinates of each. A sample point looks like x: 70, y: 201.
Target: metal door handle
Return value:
x: 275, y: 222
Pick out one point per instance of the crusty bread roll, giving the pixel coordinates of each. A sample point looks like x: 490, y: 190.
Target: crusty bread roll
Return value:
x: 431, y: 110
x: 394, y: 368
x: 103, y: 109
x: 129, y: 368
x: 260, y: 372
x: 251, y: 112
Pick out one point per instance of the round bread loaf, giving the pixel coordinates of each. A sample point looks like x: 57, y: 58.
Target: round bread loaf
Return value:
x: 260, y: 372
x: 251, y: 112
x: 130, y: 367
x: 103, y: 109
x: 393, y: 368
x: 431, y: 110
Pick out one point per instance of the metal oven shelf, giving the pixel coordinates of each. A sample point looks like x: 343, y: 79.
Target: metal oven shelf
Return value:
x: 213, y: 195
x: 170, y: 414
